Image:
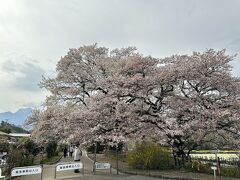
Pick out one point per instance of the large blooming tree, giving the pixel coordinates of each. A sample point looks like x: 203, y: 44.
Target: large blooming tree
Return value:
x: 182, y: 101
x: 205, y: 104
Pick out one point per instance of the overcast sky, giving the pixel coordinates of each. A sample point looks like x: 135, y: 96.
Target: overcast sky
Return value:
x: 34, y: 34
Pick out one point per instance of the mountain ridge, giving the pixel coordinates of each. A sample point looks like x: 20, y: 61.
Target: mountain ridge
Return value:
x: 17, y: 118
x: 10, y: 128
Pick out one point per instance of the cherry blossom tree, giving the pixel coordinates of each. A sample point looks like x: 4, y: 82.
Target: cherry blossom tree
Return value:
x: 81, y: 75
x: 182, y: 101
x: 205, y: 101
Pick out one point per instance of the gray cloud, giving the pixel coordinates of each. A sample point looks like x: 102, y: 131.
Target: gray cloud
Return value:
x: 234, y: 45
x: 31, y: 78
x: 45, y: 30
x: 25, y: 76
x: 160, y: 27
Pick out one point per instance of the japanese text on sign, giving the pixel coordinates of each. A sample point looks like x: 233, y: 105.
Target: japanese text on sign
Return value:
x: 102, y: 165
x: 69, y: 166
x: 22, y: 171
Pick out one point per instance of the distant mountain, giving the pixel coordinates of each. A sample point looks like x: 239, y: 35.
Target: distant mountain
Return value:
x: 16, y: 118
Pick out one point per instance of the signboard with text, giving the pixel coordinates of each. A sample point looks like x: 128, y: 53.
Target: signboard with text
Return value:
x: 69, y: 166
x: 23, y: 171
x: 102, y: 165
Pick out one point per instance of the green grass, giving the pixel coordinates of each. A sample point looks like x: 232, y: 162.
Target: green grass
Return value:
x: 52, y: 160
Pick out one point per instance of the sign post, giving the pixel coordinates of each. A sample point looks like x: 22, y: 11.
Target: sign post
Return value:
x: 214, y: 168
x: 216, y: 151
x: 68, y: 166
x: 24, y: 171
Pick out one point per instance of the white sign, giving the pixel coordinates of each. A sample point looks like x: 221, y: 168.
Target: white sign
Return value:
x: 214, y: 168
x: 69, y: 166
x: 102, y: 165
x: 22, y: 171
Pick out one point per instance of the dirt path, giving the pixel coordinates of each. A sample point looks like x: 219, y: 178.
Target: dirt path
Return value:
x: 49, y: 171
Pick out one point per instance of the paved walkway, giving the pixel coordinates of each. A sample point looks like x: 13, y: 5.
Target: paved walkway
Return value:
x: 48, y: 173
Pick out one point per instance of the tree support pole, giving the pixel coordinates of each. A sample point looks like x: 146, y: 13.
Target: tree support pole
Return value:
x: 117, y: 157
x: 95, y: 157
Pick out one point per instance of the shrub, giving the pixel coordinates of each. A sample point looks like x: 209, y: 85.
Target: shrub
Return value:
x: 150, y: 156
x: 26, y: 160
x: 197, y: 166
x: 31, y: 147
x: 51, y: 149
x: 231, y: 172
x: 16, y: 158
x: 4, y: 146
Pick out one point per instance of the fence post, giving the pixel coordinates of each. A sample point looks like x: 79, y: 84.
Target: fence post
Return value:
x: 117, y: 157
x: 42, y: 172
x: 95, y: 157
x: 55, y: 172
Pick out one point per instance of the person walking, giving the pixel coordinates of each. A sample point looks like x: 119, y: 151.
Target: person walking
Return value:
x: 71, y: 151
x: 77, y: 156
x: 65, y: 152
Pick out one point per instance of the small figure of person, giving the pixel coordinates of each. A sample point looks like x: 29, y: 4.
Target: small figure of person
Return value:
x: 71, y: 151
x: 65, y: 152
x: 77, y: 156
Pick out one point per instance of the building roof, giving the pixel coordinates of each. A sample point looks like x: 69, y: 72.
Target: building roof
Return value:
x: 3, y: 134
x: 19, y: 135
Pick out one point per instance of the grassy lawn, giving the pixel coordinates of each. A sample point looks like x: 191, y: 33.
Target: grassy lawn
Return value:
x: 51, y: 160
